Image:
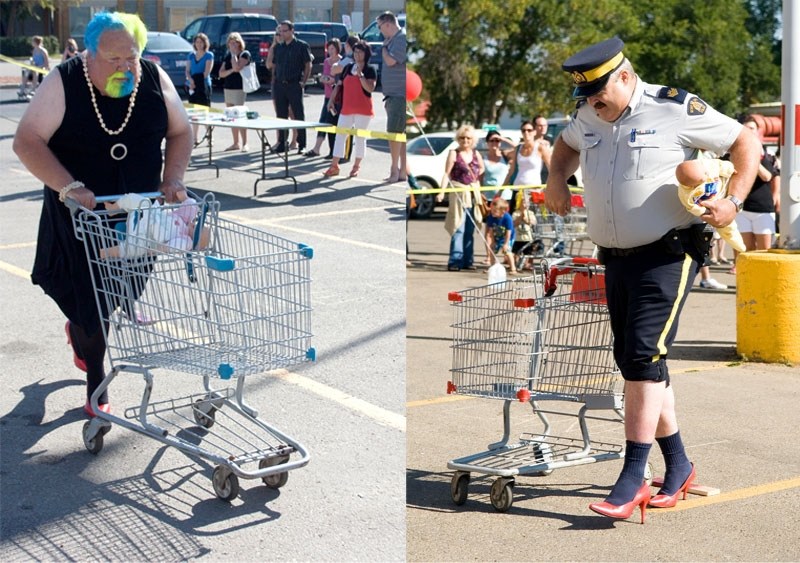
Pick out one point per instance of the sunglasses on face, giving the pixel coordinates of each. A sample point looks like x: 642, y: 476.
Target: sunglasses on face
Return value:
x: 527, y: 130
x: 463, y: 138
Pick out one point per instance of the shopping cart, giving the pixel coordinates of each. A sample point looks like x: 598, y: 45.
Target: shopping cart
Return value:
x: 238, y: 304
x: 536, y: 339
x: 557, y: 236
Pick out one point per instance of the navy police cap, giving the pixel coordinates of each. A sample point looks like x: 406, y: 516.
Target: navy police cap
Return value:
x: 591, y: 67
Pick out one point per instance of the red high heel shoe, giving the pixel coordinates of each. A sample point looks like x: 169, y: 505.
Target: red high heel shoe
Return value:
x: 668, y: 501
x: 623, y: 511
x: 87, y: 408
x: 79, y: 363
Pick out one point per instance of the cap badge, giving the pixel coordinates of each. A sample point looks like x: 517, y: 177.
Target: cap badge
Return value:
x: 578, y: 77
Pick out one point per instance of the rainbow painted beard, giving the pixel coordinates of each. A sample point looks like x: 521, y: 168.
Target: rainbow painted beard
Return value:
x: 116, y: 89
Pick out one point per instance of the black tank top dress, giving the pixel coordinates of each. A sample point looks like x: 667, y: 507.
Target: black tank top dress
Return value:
x: 61, y: 268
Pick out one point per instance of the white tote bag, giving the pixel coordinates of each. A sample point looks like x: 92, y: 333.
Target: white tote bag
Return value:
x: 250, y: 81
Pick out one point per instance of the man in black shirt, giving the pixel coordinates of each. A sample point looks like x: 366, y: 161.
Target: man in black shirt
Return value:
x: 291, y: 65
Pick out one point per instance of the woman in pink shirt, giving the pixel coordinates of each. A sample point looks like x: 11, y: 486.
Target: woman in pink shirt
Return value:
x: 358, y: 84
x: 334, y: 48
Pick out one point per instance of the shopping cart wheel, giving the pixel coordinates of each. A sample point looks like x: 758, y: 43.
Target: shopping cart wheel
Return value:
x: 226, y: 484
x: 458, y: 487
x: 203, y: 412
x: 502, y: 495
x: 276, y: 480
x: 94, y: 443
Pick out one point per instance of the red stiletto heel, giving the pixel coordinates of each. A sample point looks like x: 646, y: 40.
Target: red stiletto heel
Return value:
x: 668, y: 501
x: 87, y: 408
x: 624, y: 511
x: 79, y: 363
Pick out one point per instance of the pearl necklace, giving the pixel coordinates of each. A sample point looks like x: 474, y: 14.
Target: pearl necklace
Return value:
x: 100, y: 116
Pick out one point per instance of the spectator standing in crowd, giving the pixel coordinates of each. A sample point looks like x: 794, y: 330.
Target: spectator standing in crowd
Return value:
x: 496, y: 163
x: 198, y: 75
x: 235, y: 60
x: 463, y: 168
x: 291, y: 66
x: 40, y: 58
x: 358, y: 82
x: 328, y: 82
x: 336, y: 71
x: 393, y: 86
x: 70, y: 50
x: 95, y: 129
x: 527, y: 160
x: 756, y: 222
x: 651, y: 248
x: 269, y: 64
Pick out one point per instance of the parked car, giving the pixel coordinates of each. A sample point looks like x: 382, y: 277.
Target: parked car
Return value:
x: 372, y: 35
x: 218, y: 27
x: 170, y: 52
x: 330, y: 29
x: 427, y: 155
x: 259, y: 43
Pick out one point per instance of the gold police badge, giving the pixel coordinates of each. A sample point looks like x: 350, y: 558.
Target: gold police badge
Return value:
x: 696, y: 106
x: 578, y: 77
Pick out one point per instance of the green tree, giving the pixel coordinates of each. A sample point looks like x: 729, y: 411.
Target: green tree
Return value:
x: 14, y: 11
x: 478, y: 57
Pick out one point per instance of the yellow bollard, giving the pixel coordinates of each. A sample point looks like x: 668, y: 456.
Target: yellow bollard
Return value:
x: 768, y: 306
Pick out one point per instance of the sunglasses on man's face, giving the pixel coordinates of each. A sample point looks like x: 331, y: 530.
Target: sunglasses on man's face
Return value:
x: 527, y: 130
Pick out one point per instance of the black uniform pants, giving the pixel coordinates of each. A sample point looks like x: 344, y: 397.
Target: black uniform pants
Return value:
x: 646, y: 292
x: 286, y: 95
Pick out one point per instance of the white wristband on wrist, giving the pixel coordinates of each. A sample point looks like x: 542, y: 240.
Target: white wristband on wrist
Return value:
x: 62, y: 193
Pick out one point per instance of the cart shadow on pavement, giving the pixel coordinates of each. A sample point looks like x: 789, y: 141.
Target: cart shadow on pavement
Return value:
x: 50, y: 511
x: 32, y: 195
x: 430, y: 491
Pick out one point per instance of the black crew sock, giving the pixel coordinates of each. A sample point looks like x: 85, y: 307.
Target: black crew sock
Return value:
x: 678, y: 466
x: 93, y: 350
x: 632, y: 476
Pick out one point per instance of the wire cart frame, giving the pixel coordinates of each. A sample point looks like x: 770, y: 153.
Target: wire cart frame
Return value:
x: 237, y: 304
x: 533, y: 340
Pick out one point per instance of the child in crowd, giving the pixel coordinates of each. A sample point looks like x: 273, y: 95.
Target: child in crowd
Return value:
x: 524, y: 221
x: 500, y: 233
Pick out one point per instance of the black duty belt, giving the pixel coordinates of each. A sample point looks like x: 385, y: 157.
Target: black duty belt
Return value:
x: 685, y: 237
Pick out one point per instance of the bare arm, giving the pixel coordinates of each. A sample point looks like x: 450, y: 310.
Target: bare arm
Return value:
x: 448, y: 167
x: 38, y: 124
x: 563, y: 164
x: 178, y: 141
x: 269, y: 63
x: 225, y: 72
x: 306, y: 72
x: 745, y: 156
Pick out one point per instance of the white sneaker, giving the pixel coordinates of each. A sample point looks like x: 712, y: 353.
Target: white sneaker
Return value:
x: 711, y: 283
x: 245, y: 148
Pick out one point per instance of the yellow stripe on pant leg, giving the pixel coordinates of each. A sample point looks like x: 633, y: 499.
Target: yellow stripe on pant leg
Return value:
x: 687, y: 263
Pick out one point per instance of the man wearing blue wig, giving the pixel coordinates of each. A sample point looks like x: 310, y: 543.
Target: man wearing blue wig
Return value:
x: 95, y: 128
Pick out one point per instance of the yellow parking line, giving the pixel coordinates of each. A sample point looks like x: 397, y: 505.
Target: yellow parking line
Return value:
x: 738, y: 494
x: 15, y: 245
x: 381, y: 415
x: 447, y: 399
x: 14, y: 270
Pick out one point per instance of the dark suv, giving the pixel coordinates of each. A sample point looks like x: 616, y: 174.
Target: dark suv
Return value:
x: 218, y: 27
x: 330, y: 29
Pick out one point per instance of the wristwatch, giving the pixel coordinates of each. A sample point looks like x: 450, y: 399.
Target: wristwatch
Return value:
x: 737, y: 202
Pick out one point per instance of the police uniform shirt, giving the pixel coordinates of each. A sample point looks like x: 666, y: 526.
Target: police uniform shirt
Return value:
x: 290, y: 60
x: 629, y: 166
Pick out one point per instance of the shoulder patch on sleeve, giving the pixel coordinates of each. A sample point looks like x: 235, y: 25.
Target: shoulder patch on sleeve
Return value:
x: 674, y: 94
x: 696, y: 106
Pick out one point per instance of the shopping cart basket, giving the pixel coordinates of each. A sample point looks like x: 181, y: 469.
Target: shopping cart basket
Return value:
x: 560, y: 236
x: 237, y: 304
x: 537, y: 339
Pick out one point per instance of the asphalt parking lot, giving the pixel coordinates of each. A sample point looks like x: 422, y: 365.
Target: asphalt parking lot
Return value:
x: 138, y: 500
x: 737, y: 421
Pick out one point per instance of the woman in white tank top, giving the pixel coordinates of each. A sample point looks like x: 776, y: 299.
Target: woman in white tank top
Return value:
x: 525, y: 166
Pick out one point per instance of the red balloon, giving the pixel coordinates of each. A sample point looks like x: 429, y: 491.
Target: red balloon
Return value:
x: 413, y: 85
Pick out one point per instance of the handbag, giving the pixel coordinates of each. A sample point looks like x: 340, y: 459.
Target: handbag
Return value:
x: 250, y: 81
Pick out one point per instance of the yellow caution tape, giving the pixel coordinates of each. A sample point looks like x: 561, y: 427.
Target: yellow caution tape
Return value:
x: 199, y: 107
x: 37, y: 69
x: 401, y: 137
x: 572, y: 189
